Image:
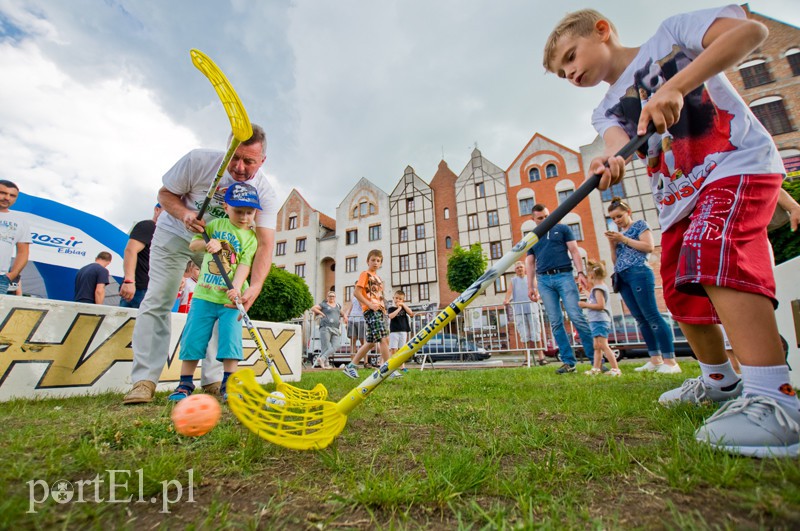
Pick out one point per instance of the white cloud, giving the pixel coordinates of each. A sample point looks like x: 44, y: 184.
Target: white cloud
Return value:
x: 99, y: 147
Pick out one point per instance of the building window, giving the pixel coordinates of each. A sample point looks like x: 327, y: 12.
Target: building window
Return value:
x: 793, y: 57
x: 576, y: 230
x: 772, y: 115
x: 374, y: 233
x: 292, y: 222
x: 500, y: 284
x: 496, y: 250
x: 355, y: 212
x: 448, y: 242
x: 410, y: 205
x: 564, y: 194
x: 348, y: 294
x: 281, y: 267
x: 424, y: 292
x: 492, y: 219
x: 403, y: 234
x: 472, y: 221
x: 526, y: 206
x: 352, y: 237
x: 300, y: 270
x: 404, y: 262
x: 300, y: 245
x: 446, y: 213
x: 755, y: 73
x: 280, y: 249
x: 420, y: 230
x: 350, y: 264
x: 372, y: 208
x: 534, y: 175
x: 551, y: 171
x: 480, y: 191
x: 405, y: 288
x: 616, y: 190
x: 422, y: 260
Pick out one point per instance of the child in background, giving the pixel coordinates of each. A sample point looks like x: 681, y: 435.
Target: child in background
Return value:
x: 599, y: 320
x: 234, y: 239
x: 716, y: 191
x: 369, y: 292
x: 399, y: 324
x: 187, y: 286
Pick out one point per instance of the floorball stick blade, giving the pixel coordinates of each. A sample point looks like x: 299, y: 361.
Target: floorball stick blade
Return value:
x: 240, y: 123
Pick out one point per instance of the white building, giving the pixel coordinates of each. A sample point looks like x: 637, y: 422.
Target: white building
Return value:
x: 362, y: 221
x: 413, y: 240
x: 304, y: 243
x: 483, y: 217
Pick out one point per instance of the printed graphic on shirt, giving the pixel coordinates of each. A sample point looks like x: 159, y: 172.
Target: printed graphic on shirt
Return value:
x: 227, y: 256
x: 678, y: 161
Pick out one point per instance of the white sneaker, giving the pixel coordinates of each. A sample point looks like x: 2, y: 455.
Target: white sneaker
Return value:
x: 695, y: 391
x: 669, y: 369
x: 755, y: 426
x: 648, y: 367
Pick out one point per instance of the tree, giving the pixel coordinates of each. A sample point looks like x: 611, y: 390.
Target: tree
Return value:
x: 285, y: 296
x: 785, y: 243
x: 465, y: 266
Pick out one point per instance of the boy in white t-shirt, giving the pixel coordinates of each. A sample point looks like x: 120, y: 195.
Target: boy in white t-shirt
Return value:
x: 715, y: 176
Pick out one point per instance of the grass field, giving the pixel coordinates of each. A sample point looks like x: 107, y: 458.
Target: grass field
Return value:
x: 476, y: 449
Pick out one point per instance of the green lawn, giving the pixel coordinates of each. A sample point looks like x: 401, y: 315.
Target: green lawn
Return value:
x: 475, y: 449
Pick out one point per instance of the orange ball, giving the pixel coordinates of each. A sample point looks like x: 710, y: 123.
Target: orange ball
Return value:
x: 196, y: 415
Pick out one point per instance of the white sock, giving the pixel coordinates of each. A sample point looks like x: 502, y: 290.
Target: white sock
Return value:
x: 719, y: 376
x: 772, y: 382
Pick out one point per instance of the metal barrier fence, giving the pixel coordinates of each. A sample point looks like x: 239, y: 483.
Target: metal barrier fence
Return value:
x: 513, y: 328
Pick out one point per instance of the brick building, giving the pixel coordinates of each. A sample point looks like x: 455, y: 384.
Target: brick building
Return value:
x: 443, y: 186
x: 769, y: 81
x: 547, y: 172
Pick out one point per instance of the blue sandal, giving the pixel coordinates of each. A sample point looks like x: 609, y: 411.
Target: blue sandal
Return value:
x: 181, y: 392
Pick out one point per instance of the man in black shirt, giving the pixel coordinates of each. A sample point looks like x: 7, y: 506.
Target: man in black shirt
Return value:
x: 136, y: 262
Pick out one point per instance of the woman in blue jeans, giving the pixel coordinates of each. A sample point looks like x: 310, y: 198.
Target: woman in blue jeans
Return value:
x: 629, y: 249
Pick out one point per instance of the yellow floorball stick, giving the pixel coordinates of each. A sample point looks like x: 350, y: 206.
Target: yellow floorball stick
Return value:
x: 242, y: 130
x: 240, y: 123
x: 313, y: 424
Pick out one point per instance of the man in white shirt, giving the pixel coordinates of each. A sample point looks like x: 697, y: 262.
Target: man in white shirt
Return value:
x: 15, y: 235
x: 185, y: 187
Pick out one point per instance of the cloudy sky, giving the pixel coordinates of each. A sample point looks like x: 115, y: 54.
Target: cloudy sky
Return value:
x: 99, y: 97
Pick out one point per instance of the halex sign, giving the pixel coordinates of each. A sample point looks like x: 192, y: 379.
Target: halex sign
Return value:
x: 65, y: 245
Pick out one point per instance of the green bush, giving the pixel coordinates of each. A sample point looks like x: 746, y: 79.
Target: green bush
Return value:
x: 284, y: 296
x: 465, y: 266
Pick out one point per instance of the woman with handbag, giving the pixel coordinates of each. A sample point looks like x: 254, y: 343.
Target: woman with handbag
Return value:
x: 635, y: 281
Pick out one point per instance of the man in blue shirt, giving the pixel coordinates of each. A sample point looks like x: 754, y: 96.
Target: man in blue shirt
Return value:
x: 549, y: 265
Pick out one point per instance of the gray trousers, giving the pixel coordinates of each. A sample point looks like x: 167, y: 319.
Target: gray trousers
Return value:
x: 151, y: 333
x: 329, y: 341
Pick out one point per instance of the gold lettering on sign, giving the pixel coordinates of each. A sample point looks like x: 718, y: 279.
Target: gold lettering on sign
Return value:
x: 71, y: 365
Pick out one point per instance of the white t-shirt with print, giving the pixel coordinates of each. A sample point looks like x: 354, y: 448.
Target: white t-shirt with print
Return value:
x: 13, y: 230
x: 190, y: 178
x: 716, y: 136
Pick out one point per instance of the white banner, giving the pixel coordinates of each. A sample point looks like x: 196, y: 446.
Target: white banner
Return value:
x: 53, y: 348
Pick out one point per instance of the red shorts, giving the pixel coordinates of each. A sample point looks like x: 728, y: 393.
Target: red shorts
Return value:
x: 723, y: 242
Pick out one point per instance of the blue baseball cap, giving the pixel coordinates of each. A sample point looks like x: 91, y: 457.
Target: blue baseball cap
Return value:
x: 242, y: 195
